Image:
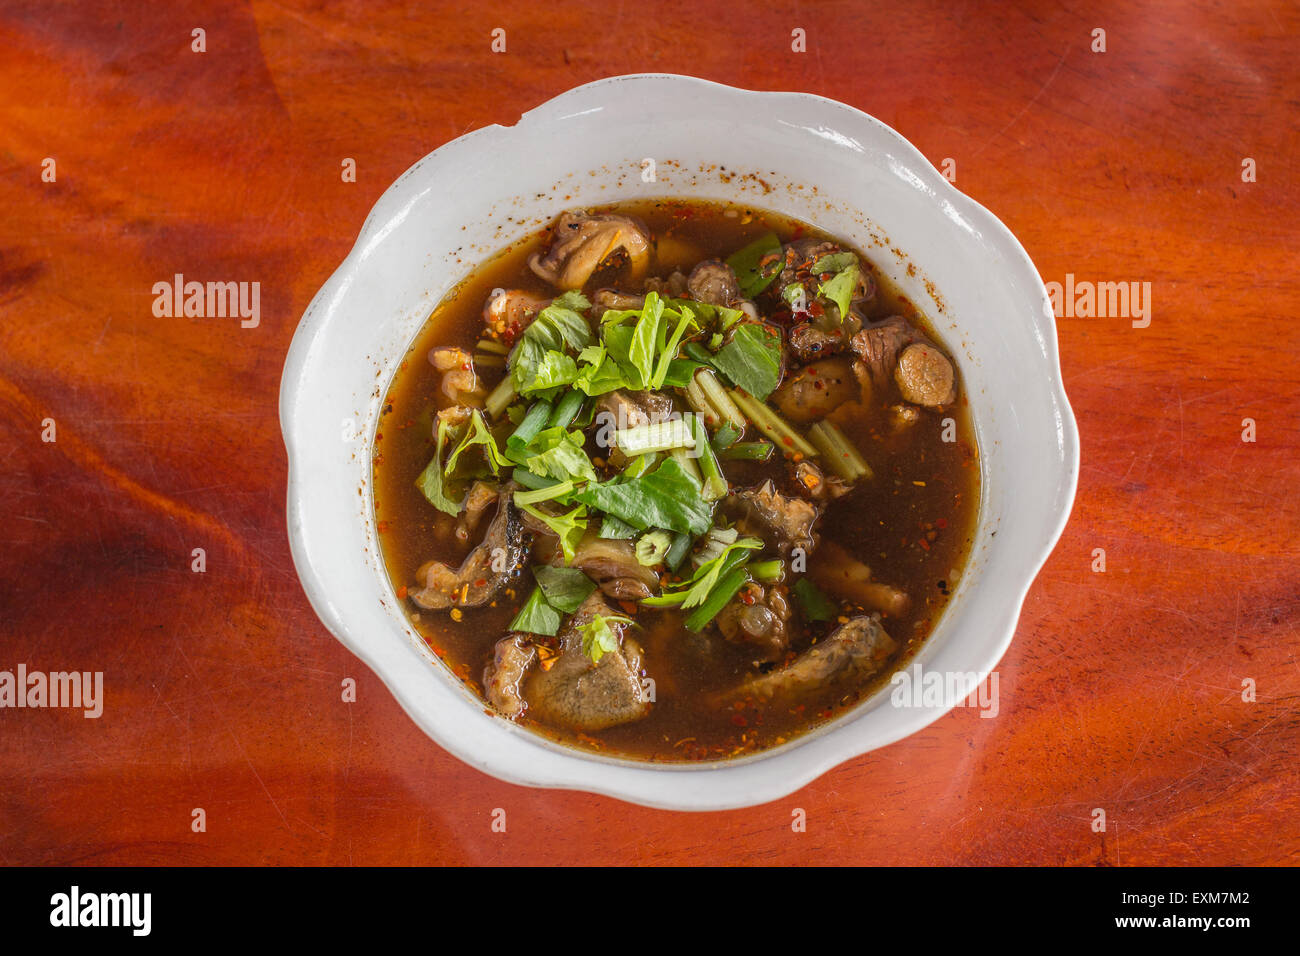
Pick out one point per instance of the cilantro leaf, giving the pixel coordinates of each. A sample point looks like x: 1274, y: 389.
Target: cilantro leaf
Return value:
x: 726, y: 589
x: 478, y: 434
x: 699, y: 588
x: 539, y: 360
x: 598, y: 638
x: 557, y: 453
x: 568, y: 527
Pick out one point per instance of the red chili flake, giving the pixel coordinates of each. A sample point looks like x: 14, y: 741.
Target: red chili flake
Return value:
x: 788, y: 441
x: 739, y: 720
x: 941, y: 523
x: 480, y: 582
x: 925, y: 544
x: 401, y: 592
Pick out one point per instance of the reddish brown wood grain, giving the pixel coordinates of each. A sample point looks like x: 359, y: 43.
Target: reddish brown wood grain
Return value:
x: 1122, y: 690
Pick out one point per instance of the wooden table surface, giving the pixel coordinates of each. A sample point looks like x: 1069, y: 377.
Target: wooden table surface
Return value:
x: 1123, y: 689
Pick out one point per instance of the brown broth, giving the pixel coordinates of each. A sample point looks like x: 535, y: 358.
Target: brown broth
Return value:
x: 912, y: 523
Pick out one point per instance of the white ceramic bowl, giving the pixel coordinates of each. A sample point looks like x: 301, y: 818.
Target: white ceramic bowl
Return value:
x: 802, y: 155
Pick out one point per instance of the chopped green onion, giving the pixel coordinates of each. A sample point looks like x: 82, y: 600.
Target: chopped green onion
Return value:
x: 534, y: 421
x: 839, y: 452
x: 725, y: 590
x: 566, y: 410
x: 489, y: 345
x: 748, y: 451
x: 530, y: 480
x: 725, y: 437
x: 598, y: 638
x: 489, y: 361
x: 768, y: 572
x: 678, y: 550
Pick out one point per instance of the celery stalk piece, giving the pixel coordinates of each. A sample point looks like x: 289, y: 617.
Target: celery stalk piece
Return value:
x: 659, y: 436
x: 500, y: 397
x: 774, y: 426
x: 717, y: 396
x: 715, y: 484
x: 840, y: 453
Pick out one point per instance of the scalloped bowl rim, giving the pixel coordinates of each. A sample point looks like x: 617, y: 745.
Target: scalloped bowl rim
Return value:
x: 511, y: 753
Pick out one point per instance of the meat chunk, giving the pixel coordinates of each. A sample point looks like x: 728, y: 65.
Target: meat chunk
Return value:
x: 810, y: 342
x: 853, y: 651
x: 757, y: 617
x: 903, y: 416
x: 484, y: 570
x: 605, y: 299
x: 714, y: 282
x: 815, y: 484
x: 581, y: 242
x: 843, y: 575
x: 511, y: 658
x: 816, y: 390
x: 624, y: 409
x: 459, y: 380
x: 674, y: 287
x: 580, y: 695
x: 781, y: 521
x: 878, y: 346
x: 508, y: 312
x: 612, y: 564
x: 924, y: 376
x: 482, y: 495
x: 799, y: 257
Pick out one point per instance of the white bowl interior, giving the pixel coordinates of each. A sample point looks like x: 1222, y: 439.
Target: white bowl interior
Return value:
x: 821, y: 162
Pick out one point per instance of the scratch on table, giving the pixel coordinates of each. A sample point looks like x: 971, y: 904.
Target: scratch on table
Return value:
x: 1034, y: 99
x: 233, y: 736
